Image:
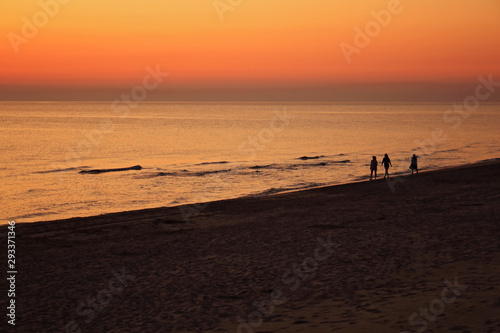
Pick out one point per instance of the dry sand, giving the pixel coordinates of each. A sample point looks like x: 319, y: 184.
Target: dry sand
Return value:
x: 393, y: 253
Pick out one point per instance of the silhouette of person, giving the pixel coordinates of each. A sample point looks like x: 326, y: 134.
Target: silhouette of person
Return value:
x: 414, y: 165
x: 373, y: 168
x: 386, y: 162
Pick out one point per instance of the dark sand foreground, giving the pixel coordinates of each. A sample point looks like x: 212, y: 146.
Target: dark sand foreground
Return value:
x: 394, y: 252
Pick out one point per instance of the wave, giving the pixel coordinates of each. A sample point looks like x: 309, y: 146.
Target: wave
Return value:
x: 304, y: 158
x: 203, y: 173
x: 183, y: 173
x: 240, y: 169
x: 159, y: 174
x: 62, y: 170
x: 34, y: 215
x: 489, y: 160
x: 448, y: 150
x: 162, y: 174
x: 98, y: 171
x: 208, y: 163
x: 308, y: 165
x: 274, y: 190
x: 261, y: 167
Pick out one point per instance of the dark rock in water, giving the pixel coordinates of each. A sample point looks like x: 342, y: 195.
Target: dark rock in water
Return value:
x: 96, y: 171
x: 310, y: 157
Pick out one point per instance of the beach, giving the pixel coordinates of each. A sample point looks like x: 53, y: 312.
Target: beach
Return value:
x: 422, y: 255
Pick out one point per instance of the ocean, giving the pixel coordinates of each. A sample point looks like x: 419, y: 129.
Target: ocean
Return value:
x: 199, y: 152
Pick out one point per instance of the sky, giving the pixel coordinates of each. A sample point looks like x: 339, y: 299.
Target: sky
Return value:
x: 249, y: 50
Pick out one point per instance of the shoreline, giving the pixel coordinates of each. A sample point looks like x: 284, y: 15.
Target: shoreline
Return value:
x: 285, y: 192
x: 395, y: 253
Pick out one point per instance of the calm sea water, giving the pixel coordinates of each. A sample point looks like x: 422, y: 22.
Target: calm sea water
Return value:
x: 200, y: 152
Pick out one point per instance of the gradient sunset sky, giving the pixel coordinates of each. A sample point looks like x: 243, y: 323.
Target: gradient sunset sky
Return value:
x: 432, y: 50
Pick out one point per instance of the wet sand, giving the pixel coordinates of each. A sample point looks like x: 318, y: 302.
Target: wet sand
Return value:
x: 348, y: 258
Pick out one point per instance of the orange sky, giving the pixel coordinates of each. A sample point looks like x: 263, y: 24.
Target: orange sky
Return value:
x: 263, y: 49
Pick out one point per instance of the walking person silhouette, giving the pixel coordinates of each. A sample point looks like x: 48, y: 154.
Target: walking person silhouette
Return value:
x: 386, y: 162
x: 373, y: 167
x: 414, y: 165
